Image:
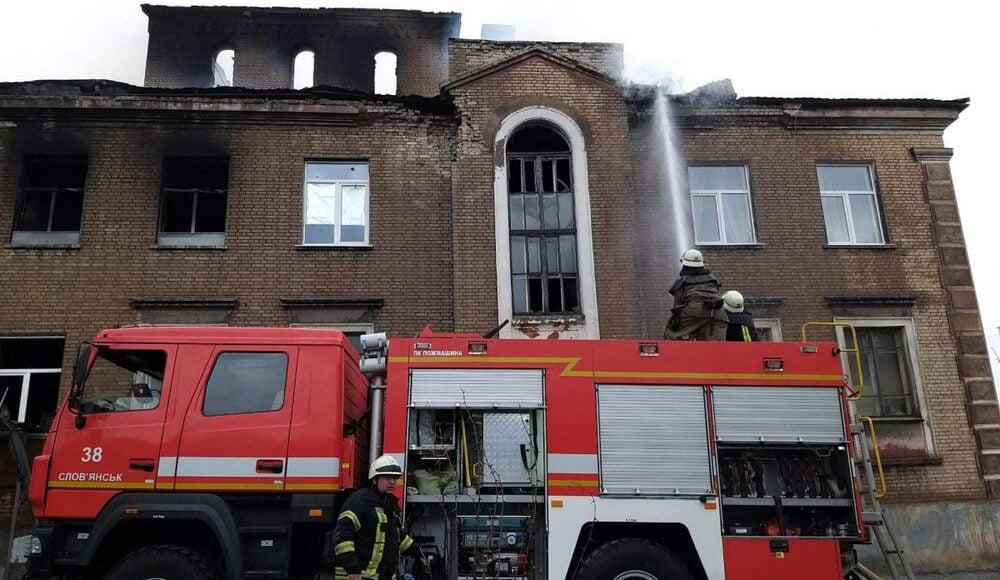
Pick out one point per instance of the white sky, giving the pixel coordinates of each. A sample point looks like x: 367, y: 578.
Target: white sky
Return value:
x: 872, y: 48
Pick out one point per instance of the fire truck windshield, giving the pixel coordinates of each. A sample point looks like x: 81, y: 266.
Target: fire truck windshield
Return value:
x: 123, y: 380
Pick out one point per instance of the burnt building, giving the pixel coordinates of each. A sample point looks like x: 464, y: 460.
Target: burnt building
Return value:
x: 513, y: 181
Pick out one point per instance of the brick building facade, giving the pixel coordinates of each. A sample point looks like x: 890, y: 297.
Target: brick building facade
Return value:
x: 335, y: 206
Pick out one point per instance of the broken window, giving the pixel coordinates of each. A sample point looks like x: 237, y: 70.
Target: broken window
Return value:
x: 222, y: 68
x: 193, y: 202
x: 542, y: 210
x: 303, y: 69
x: 51, y: 202
x: 385, y: 73
x: 336, y: 204
x: 29, y: 379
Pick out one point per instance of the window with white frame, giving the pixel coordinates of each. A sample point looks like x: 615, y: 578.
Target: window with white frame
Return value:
x: 335, y: 208
x: 888, y: 366
x: 30, y: 370
x: 768, y: 329
x: 850, y: 206
x: 720, y: 204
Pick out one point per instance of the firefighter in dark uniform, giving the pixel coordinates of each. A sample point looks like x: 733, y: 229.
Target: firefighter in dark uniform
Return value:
x: 697, y: 313
x: 741, y: 326
x: 369, y: 535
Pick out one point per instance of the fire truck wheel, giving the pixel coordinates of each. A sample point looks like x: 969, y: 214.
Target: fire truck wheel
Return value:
x: 632, y: 559
x: 161, y: 563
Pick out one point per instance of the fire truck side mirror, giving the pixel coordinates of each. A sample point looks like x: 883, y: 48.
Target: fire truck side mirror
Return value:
x: 374, y: 349
x: 79, y: 375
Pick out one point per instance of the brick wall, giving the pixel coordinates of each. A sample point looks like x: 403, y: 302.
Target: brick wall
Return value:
x: 793, y: 263
x: 465, y: 56
x: 599, y: 109
x: 183, y: 42
x: 75, y: 292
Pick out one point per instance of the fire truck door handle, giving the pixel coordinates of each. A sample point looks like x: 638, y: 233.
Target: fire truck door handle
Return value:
x: 270, y: 466
x: 141, y: 464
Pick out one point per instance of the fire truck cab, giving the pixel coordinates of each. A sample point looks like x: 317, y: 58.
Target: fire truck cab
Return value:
x: 198, y: 452
x: 210, y: 453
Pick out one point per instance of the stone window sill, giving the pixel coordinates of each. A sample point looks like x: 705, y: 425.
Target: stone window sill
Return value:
x: 913, y: 461
x: 312, y: 248
x: 859, y: 246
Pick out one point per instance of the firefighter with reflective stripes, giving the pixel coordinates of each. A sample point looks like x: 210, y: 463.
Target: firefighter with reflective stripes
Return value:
x: 369, y: 535
x: 741, y: 327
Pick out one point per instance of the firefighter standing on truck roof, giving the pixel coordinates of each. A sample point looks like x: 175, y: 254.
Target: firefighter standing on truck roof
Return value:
x: 741, y: 327
x: 697, y: 313
x: 369, y: 535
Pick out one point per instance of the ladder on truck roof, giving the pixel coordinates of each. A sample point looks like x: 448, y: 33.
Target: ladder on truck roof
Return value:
x: 874, y: 516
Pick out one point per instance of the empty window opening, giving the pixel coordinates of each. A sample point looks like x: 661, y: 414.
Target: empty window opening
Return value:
x: 51, y: 201
x: 222, y: 68
x: 29, y: 380
x: 543, y: 250
x: 385, y: 73
x: 193, y: 201
x: 303, y: 69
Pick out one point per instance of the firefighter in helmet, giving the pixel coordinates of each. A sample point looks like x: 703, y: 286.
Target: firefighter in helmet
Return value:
x: 369, y: 537
x: 697, y: 313
x: 741, y: 327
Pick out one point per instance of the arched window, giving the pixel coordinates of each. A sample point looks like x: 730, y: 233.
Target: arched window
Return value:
x: 544, y: 247
x: 222, y: 68
x: 543, y: 251
x: 385, y: 73
x: 302, y: 71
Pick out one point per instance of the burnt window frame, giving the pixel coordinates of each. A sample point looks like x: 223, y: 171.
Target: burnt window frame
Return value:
x: 47, y: 365
x: 193, y: 238
x: 874, y: 400
x: 21, y: 236
x: 543, y: 276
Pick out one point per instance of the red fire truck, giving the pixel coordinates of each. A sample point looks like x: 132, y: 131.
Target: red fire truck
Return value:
x: 196, y: 453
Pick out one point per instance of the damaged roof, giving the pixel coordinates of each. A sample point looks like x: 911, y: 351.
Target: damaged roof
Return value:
x: 722, y: 94
x: 160, y: 10
x: 109, y: 88
x: 536, y: 50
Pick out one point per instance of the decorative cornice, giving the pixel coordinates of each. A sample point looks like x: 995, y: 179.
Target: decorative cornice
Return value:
x: 329, y: 302
x: 882, y: 300
x: 763, y: 300
x: 187, y: 302
x: 932, y: 154
x: 535, y: 51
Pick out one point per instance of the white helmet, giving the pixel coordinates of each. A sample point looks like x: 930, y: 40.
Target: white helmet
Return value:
x: 732, y: 301
x: 384, y: 465
x: 692, y: 258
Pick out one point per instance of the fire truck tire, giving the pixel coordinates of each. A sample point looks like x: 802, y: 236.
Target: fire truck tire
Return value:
x: 161, y: 563
x: 632, y: 559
